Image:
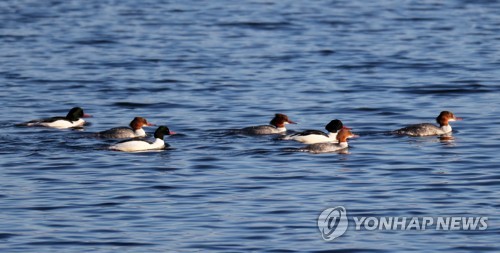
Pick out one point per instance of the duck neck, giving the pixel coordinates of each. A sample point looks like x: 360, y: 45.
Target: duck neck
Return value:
x: 446, y: 128
x: 332, y: 136
x: 139, y: 132
x: 158, y: 142
x: 72, y: 118
x: 343, y: 144
x: 281, y: 128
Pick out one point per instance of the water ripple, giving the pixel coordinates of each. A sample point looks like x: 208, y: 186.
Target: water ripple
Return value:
x: 209, y: 70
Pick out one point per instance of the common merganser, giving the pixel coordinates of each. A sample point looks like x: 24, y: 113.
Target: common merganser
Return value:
x: 134, y: 131
x: 428, y: 129
x: 326, y: 147
x: 72, y: 119
x: 141, y: 145
x: 276, y: 126
x: 316, y: 136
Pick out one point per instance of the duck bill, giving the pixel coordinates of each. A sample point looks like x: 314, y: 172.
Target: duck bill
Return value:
x: 150, y: 124
x: 86, y: 115
x: 291, y: 122
x: 457, y: 118
x: 354, y: 136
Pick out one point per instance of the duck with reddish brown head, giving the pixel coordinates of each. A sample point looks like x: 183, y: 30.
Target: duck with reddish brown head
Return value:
x: 134, y: 131
x: 428, y: 129
x: 276, y: 126
x: 327, y: 147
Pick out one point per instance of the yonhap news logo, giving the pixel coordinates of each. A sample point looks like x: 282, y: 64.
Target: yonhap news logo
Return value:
x: 334, y: 222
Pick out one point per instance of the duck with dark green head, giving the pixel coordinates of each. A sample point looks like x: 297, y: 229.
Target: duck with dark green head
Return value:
x: 143, y: 145
x: 71, y: 120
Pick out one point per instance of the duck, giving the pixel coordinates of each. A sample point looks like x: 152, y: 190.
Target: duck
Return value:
x: 428, y: 129
x: 72, y: 120
x: 143, y: 145
x: 134, y: 131
x: 326, y: 147
x: 316, y: 136
x: 276, y: 126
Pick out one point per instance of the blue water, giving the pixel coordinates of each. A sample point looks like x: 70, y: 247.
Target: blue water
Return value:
x: 204, y: 68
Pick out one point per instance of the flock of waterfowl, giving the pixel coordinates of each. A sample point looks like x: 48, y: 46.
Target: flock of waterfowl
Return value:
x: 318, y: 142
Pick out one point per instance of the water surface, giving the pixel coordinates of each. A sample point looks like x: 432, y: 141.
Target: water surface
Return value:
x: 206, y: 68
